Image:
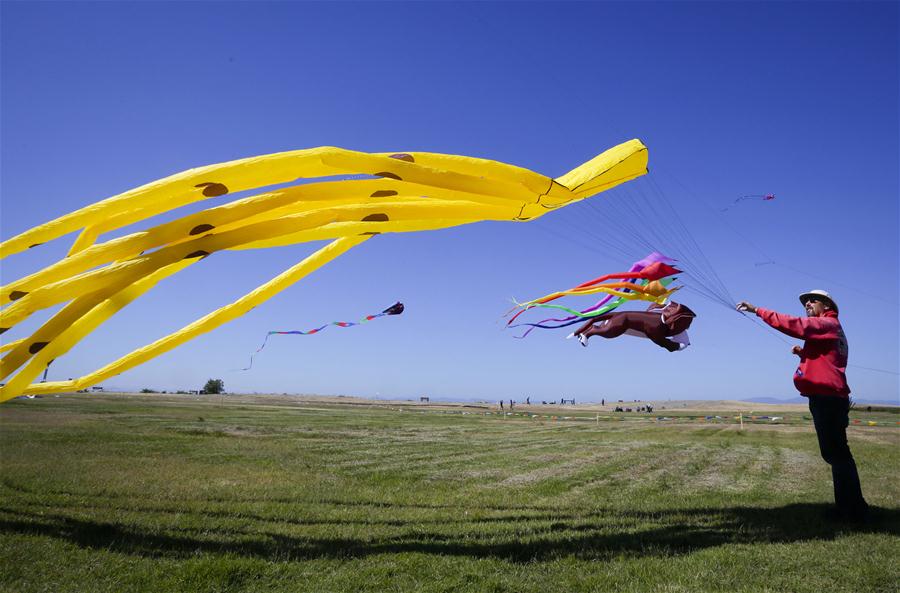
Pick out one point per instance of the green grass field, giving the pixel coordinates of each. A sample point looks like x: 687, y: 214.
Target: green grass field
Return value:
x: 164, y: 493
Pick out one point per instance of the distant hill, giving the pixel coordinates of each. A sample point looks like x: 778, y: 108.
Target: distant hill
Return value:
x: 800, y: 399
x: 774, y: 400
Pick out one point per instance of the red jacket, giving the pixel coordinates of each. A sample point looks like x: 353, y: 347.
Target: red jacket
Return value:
x: 823, y: 360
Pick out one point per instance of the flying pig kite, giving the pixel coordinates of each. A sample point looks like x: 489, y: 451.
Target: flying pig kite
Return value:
x: 386, y: 193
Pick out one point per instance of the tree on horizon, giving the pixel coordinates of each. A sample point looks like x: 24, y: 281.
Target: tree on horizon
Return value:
x: 214, y: 386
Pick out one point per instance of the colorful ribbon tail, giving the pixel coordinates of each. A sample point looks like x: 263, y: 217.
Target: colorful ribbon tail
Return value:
x: 395, y: 309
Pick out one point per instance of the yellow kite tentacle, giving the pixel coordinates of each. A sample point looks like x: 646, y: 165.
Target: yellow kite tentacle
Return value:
x: 238, y: 214
x: 203, y: 325
x: 225, y: 178
x: 11, y: 345
x: 620, y: 163
x: 178, y: 190
x: 408, y: 192
x: 478, y: 167
x: 73, y: 333
x: 343, y: 229
x: 371, y: 216
x: 292, y: 199
x: 40, y: 338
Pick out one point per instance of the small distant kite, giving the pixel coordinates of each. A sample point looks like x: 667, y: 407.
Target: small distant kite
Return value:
x: 751, y: 197
x: 647, y: 279
x: 395, y: 309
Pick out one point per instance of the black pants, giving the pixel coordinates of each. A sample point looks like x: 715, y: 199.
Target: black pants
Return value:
x: 831, y: 418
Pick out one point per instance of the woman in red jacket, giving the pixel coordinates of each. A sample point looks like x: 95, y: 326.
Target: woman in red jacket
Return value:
x: 821, y: 378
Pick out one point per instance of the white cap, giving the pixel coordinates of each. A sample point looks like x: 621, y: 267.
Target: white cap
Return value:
x: 819, y: 294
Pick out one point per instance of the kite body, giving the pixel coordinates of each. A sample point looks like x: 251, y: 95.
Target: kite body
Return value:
x: 389, y: 193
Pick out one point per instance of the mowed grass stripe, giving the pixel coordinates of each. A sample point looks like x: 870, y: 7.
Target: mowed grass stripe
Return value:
x: 145, y: 494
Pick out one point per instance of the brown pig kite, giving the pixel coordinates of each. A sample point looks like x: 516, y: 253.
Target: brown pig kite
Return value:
x: 666, y: 326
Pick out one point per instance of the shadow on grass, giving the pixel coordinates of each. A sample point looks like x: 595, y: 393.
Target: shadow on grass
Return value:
x: 596, y: 535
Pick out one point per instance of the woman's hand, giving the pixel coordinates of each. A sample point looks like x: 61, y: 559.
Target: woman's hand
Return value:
x: 745, y: 306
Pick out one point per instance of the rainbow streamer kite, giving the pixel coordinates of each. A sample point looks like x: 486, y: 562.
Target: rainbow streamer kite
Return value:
x: 647, y: 279
x: 395, y: 309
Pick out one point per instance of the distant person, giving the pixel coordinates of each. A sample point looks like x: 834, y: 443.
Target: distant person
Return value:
x: 821, y: 378
x: 501, y: 404
x: 602, y: 402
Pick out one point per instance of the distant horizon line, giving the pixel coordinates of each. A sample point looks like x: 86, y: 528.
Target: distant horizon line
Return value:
x: 798, y: 399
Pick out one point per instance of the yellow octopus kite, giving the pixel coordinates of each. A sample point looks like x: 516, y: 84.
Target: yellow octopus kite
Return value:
x: 402, y: 192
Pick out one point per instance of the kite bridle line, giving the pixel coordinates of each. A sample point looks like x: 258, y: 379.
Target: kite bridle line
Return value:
x: 630, y: 221
x: 769, y: 260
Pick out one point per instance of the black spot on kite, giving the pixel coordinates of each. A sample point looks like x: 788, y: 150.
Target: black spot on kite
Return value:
x: 376, y: 218
x: 35, y: 245
x: 383, y: 193
x: 369, y: 233
x: 3, y: 329
x: 402, y: 156
x: 16, y: 295
x: 389, y: 175
x: 201, y: 228
x: 199, y: 253
x: 211, y: 190
x: 37, y: 347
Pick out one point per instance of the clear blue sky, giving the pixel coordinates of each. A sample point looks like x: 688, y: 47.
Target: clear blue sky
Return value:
x: 799, y: 99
